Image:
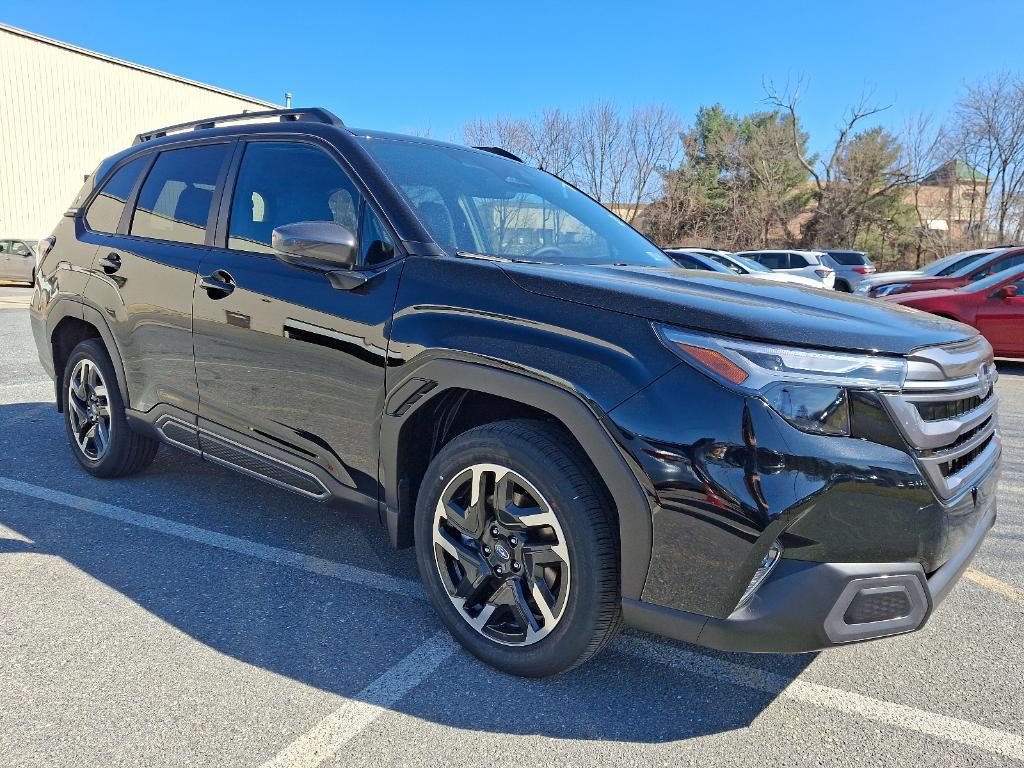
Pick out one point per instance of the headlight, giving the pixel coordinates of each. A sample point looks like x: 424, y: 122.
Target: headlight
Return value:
x: 806, y: 387
x: 888, y: 290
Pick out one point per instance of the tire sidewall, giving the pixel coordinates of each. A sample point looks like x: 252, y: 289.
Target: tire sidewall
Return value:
x: 571, y: 637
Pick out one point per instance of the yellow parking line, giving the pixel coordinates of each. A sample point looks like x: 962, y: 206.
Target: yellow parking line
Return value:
x: 1004, y: 589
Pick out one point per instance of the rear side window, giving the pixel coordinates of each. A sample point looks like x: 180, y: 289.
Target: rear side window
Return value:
x: 105, y: 210
x: 773, y: 260
x: 174, y: 202
x: 284, y: 183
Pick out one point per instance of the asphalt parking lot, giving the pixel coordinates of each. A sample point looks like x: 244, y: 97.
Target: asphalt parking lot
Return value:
x: 192, y: 617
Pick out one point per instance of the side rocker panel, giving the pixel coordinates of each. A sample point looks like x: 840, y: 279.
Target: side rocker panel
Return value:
x: 635, y: 526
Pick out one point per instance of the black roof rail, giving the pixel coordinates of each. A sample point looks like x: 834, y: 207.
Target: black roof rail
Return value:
x: 501, y: 153
x: 309, y: 114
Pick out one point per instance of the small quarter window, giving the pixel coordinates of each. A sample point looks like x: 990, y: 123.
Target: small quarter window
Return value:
x: 376, y: 245
x: 105, y: 210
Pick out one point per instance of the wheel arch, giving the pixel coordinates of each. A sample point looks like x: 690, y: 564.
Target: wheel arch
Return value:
x: 437, y: 393
x: 68, y: 324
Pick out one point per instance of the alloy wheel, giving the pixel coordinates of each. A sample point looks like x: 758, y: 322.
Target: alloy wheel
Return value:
x: 89, y: 409
x: 501, y: 554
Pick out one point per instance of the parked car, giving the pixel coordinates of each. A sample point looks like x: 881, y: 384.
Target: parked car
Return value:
x: 741, y: 266
x: 994, y: 305
x: 851, y: 267
x: 694, y: 260
x: 571, y: 432
x: 809, y: 264
x: 875, y: 285
x: 18, y: 260
x: 976, y: 270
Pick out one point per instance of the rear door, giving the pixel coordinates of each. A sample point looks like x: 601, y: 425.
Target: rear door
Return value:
x: 144, y: 274
x: 289, y: 364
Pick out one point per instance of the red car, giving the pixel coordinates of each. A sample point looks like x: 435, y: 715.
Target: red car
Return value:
x: 972, y: 271
x: 995, y: 306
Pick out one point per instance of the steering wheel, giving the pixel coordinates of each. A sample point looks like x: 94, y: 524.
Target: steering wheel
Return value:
x: 545, y: 250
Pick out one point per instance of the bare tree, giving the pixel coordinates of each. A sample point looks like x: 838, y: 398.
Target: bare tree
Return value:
x: 862, y: 175
x: 988, y: 135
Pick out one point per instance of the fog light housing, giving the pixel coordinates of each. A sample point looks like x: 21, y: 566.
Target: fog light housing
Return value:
x: 771, y: 559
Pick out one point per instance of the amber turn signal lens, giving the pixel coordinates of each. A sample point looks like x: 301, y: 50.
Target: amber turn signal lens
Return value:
x: 715, y: 361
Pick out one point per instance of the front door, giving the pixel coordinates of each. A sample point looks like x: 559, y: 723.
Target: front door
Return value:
x: 287, y: 363
x: 1001, y: 320
x: 20, y: 261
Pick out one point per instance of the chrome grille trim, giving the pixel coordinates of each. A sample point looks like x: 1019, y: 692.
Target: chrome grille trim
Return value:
x: 949, y: 374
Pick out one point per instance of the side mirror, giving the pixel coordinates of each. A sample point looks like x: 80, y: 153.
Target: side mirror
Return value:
x: 318, y: 244
x: 1008, y: 291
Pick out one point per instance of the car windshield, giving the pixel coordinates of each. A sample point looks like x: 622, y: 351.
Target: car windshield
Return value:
x: 749, y: 264
x: 479, y: 203
x: 951, y: 264
x: 985, y: 260
x: 849, y: 258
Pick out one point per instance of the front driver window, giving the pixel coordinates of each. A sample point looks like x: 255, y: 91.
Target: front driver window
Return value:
x: 283, y: 183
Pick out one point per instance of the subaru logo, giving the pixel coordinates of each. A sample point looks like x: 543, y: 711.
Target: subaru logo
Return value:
x: 500, y: 551
x: 986, y: 378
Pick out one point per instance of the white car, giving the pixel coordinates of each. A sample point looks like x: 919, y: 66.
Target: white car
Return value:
x: 807, y: 264
x: 744, y: 266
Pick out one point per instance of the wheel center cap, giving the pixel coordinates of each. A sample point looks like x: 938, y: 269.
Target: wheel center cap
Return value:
x: 501, y: 551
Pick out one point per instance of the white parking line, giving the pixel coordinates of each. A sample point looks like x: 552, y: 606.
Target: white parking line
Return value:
x: 950, y: 729
x: 335, y: 730
x: 328, y: 736
x: 317, y: 565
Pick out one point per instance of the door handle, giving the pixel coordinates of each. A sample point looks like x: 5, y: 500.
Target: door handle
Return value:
x: 110, y: 263
x: 217, y: 285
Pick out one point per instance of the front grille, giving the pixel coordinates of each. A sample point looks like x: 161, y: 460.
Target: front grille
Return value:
x: 950, y: 409
x: 947, y: 413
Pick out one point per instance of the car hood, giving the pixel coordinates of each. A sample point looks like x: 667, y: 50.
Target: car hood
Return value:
x: 741, y: 306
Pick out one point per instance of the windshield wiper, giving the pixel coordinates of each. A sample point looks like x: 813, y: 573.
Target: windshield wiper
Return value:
x: 481, y: 256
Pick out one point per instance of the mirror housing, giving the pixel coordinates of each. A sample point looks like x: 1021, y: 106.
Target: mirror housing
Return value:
x: 317, y: 244
x: 1008, y: 292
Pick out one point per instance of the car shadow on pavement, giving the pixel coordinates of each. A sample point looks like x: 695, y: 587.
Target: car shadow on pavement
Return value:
x: 331, y: 634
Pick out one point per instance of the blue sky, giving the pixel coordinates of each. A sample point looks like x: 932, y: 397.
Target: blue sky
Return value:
x: 408, y: 66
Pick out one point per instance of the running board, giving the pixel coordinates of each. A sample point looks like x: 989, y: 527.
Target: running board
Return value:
x: 241, y: 458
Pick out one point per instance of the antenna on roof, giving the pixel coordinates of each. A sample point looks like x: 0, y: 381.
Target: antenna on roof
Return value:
x: 287, y: 100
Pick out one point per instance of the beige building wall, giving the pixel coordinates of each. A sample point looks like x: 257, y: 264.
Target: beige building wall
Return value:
x: 65, y: 109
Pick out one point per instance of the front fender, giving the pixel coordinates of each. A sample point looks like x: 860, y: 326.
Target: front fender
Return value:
x: 583, y: 419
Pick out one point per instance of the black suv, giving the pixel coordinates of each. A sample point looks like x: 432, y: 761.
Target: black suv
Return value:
x: 570, y: 430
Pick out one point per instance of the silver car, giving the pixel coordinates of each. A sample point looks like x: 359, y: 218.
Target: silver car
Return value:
x: 18, y: 260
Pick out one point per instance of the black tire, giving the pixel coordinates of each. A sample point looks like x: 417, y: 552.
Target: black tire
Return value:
x: 548, y: 459
x: 127, y: 452
x: 843, y: 286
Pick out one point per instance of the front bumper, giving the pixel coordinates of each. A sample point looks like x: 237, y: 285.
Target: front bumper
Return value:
x: 806, y: 606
